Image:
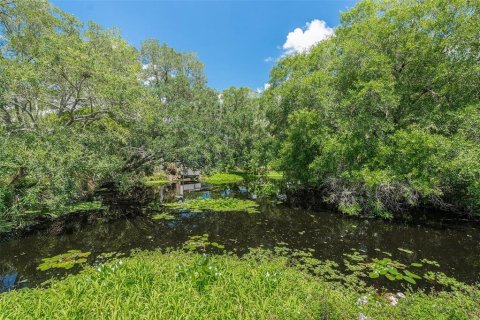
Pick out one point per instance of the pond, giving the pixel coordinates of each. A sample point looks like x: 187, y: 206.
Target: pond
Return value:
x: 328, y: 235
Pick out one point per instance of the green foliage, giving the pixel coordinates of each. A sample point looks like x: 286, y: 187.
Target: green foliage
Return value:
x: 274, y: 175
x: 202, y: 273
x: 380, y: 118
x: 80, y: 109
x: 85, y: 206
x: 263, y: 188
x: 384, y: 116
x: 64, y: 261
x: 223, y: 178
x: 68, y: 113
x: 155, y: 285
x: 385, y: 268
x: 220, y: 205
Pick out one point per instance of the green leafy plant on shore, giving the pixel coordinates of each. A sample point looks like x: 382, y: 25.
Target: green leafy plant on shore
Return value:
x: 201, y: 273
x: 155, y: 285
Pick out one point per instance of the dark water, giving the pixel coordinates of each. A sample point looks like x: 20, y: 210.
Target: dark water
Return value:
x: 455, y: 247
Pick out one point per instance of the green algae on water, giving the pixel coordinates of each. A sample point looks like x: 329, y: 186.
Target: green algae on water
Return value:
x: 223, y: 178
x: 163, y: 216
x: 219, y: 205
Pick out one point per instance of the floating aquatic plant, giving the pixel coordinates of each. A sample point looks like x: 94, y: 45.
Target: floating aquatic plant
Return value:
x: 163, y: 216
x: 430, y: 262
x: 220, y: 205
x: 110, y: 255
x: 392, y: 270
x: 405, y: 250
x: 200, y: 243
x: 223, y: 178
x: 64, y: 261
x: 386, y: 267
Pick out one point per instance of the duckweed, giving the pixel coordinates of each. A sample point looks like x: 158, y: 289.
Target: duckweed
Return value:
x: 219, y: 205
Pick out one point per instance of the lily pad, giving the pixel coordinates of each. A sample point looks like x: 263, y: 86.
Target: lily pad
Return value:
x: 411, y: 275
x: 410, y: 280
x: 219, y: 205
x: 390, y: 277
x: 64, y: 261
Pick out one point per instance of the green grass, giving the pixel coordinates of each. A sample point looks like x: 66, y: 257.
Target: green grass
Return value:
x: 222, y: 178
x: 191, y: 286
x: 220, y: 205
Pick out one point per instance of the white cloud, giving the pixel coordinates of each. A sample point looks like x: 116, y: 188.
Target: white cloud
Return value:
x: 265, y: 87
x: 302, y: 40
x: 268, y: 59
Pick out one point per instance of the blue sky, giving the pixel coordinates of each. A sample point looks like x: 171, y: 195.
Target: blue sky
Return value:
x: 238, y: 41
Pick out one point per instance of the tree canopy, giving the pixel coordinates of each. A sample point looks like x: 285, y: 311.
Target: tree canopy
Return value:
x: 383, y: 116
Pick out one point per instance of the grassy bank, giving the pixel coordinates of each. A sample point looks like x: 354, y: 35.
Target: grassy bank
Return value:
x: 189, y: 286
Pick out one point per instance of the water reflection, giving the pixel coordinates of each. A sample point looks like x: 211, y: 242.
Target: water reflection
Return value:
x: 7, y: 281
x: 331, y: 235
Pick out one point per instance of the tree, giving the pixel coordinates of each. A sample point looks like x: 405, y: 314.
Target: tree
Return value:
x: 395, y: 71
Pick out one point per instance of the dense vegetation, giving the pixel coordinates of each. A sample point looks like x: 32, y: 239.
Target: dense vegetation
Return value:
x: 191, y: 286
x: 80, y: 109
x: 385, y: 115
x: 382, y: 117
